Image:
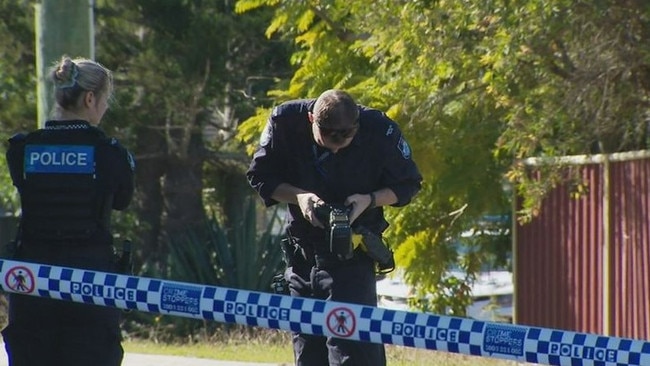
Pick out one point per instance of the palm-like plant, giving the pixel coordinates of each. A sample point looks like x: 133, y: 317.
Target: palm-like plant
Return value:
x: 244, y: 259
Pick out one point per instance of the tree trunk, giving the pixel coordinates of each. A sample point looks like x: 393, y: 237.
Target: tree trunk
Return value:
x: 150, y: 168
x: 182, y: 190
x: 236, y: 190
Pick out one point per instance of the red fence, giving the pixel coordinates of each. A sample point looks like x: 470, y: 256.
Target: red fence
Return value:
x: 584, y: 264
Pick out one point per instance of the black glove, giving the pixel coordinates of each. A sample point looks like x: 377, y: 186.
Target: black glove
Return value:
x: 298, y: 286
x: 321, y: 283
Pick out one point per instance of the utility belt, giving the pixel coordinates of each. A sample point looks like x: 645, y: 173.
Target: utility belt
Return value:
x: 62, y: 232
x: 122, y: 258
x: 303, y: 256
x: 362, y: 243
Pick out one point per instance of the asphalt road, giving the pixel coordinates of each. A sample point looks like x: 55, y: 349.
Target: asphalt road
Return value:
x: 137, y: 359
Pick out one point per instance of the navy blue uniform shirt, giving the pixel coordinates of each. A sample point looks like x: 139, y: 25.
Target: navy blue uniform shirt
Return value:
x: 378, y: 157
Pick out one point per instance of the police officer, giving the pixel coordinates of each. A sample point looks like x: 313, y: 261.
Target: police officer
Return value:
x: 70, y: 176
x: 332, y: 151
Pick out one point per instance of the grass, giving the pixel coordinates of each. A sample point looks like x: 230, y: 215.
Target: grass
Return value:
x: 274, y: 346
x: 237, y: 347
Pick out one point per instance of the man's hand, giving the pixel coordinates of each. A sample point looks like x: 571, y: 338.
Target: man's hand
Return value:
x: 298, y: 286
x: 360, y: 203
x: 307, y: 201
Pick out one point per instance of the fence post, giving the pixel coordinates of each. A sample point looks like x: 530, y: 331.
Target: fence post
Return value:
x: 606, y: 217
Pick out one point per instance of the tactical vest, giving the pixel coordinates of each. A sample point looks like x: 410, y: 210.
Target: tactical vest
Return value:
x: 61, y: 197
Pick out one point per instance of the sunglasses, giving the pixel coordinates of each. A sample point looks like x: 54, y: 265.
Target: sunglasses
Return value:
x: 341, y: 132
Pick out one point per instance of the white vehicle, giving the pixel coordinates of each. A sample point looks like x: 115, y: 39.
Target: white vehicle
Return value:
x: 492, y: 294
x: 492, y: 291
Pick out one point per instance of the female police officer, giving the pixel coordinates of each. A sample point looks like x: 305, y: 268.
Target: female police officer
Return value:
x: 70, y: 176
x: 333, y: 151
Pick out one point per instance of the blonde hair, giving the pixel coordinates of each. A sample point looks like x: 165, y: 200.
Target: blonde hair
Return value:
x: 73, y: 77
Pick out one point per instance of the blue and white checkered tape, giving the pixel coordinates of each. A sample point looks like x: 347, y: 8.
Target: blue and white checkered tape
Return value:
x: 328, y: 318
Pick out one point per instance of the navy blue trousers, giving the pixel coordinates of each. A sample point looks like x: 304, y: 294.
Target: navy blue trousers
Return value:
x: 351, y: 281
x: 44, y: 331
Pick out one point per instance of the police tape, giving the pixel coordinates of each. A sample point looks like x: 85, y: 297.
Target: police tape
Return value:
x: 328, y: 318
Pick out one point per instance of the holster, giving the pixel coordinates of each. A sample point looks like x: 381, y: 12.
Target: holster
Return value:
x: 124, y: 261
x: 294, y: 255
x: 377, y: 250
x: 11, y: 250
x: 288, y: 251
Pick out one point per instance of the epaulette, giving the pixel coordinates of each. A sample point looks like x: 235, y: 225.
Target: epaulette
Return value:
x: 19, y: 137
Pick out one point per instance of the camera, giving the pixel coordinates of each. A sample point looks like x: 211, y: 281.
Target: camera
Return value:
x: 336, y: 219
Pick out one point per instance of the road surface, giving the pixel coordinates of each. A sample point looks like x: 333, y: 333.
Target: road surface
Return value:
x: 137, y: 359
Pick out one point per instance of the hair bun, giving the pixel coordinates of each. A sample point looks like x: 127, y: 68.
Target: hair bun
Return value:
x: 66, y: 75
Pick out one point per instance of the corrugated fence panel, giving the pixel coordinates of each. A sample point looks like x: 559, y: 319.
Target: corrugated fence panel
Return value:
x: 559, y: 256
x: 630, y: 249
x: 585, y: 288
x: 558, y: 261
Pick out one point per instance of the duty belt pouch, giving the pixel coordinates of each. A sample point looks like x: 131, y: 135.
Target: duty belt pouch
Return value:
x: 124, y: 260
x: 292, y: 252
x: 288, y: 251
x: 376, y: 249
x: 11, y: 249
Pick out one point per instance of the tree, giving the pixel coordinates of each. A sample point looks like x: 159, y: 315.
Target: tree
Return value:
x: 17, y: 84
x: 476, y: 86
x: 187, y: 70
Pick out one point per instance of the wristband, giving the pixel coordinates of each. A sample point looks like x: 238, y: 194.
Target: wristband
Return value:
x: 373, y: 202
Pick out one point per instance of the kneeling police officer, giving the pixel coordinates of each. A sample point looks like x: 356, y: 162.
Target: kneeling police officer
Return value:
x: 70, y: 176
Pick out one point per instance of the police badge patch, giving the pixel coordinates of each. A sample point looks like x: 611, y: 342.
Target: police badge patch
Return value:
x: 60, y: 159
x: 404, y: 148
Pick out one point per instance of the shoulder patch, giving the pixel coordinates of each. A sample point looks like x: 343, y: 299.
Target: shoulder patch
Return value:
x: 404, y: 148
x: 18, y: 137
x: 267, y: 134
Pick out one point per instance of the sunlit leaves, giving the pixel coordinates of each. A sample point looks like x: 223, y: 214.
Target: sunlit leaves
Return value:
x: 476, y: 86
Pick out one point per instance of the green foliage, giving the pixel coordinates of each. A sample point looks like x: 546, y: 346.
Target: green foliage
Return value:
x: 251, y: 130
x: 17, y: 67
x: 508, y: 79
x: 248, y: 262
x: 475, y: 86
x: 17, y: 86
x: 186, y: 73
x: 9, y: 200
